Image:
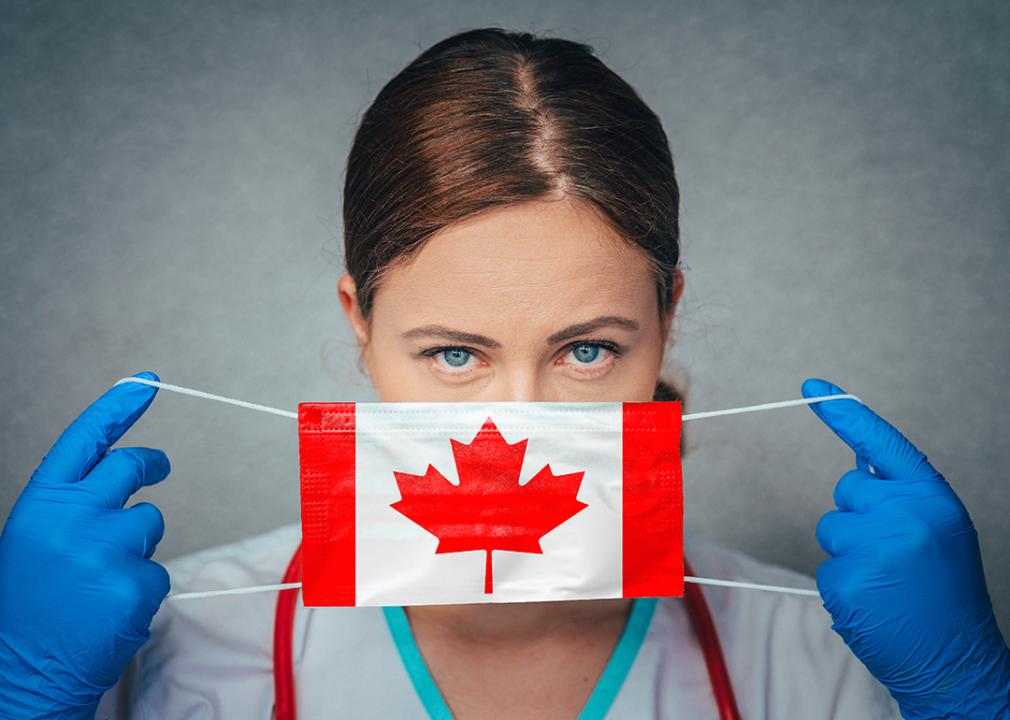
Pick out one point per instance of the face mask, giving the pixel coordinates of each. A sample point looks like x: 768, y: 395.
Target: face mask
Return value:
x: 429, y: 503
x: 415, y: 503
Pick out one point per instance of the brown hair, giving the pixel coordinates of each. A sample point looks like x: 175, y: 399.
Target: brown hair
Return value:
x: 489, y: 117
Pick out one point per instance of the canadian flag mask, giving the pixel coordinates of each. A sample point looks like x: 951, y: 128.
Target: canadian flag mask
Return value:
x: 417, y: 503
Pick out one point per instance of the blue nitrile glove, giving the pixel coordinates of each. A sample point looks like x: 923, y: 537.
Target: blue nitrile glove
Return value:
x: 77, y: 588
x: 904, y: 583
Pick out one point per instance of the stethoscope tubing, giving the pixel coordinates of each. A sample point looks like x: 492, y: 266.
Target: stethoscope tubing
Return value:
x: 694, y: 598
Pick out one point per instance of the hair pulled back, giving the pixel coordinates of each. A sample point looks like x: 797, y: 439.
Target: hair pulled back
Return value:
x: 489, y: 117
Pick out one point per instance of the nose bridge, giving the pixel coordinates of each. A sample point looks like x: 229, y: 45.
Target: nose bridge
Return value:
x: 520, y: 382
x: 523, y: 385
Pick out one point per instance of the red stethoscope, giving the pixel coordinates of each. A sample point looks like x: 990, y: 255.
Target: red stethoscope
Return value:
x: 697, y: 609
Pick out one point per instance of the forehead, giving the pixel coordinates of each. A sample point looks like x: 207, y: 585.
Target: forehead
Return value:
x: 519, y: 268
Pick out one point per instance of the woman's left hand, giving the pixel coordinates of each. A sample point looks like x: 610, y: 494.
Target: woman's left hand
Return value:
x: 904, y: 583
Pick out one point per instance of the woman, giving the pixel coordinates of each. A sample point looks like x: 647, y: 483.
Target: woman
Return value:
x: 511, y: 230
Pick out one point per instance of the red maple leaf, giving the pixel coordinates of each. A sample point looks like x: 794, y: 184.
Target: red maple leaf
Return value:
x: 489, y: 509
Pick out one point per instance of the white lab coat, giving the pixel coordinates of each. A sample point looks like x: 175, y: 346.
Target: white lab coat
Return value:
x: 212, y: 657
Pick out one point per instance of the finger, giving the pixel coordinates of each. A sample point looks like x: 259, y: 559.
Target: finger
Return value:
x: 138, y: 529
x: 87, y: 438
x: 846, y: 586
x: 142, y: 586
x: 840, y: 591
x: 860, y: 490
x: 875, y: 441
x: 839, y: 532
x: 123, y: 472
x: 156, y: 579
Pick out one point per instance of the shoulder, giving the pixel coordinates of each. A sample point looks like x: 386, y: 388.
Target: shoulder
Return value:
x: 781, y: 651
x: 193, y: 640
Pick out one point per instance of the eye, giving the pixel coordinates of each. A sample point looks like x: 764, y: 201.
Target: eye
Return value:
x: 450, y: 359
x: 456, y: 357
x: 587, y: 352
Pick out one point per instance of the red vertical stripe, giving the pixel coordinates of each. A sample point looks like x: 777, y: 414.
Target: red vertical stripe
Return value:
x: 326, y: 458
x: 653, y: 500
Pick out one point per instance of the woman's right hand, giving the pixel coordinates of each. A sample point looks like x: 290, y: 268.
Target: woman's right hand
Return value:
x: 78, y: 589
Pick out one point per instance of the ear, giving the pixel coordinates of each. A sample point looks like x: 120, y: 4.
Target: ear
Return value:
x: 347, y: 290
x: 678, y: 289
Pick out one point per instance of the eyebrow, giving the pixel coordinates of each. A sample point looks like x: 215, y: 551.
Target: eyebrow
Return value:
x: 560, y: 336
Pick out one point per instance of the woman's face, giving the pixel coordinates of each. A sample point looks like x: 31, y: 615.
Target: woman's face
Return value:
x: 531, y: 302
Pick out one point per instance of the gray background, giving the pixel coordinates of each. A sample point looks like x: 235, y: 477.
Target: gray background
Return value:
x: 171, y: 180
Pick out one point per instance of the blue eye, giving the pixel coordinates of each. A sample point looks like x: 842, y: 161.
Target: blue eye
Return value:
x: 586, y: 352
x: 448, y: 357
x: 456, y: 357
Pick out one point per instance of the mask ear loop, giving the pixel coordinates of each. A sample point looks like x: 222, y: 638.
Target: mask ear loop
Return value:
x: 684, y: 418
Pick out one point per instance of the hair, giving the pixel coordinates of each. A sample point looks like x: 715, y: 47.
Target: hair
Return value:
x: 489, y: 117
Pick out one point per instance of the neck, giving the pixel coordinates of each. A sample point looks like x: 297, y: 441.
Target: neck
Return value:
x: 520, y: 622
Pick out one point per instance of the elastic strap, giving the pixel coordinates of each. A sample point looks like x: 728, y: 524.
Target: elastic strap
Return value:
x: 288, y: 585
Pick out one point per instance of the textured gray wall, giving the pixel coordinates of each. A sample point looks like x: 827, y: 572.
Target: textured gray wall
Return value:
x: 171, y: 181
